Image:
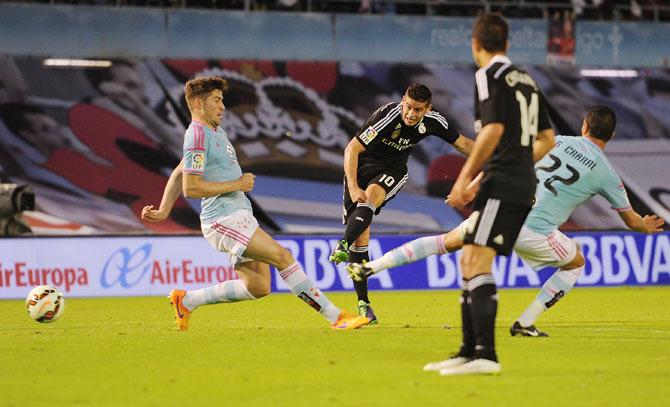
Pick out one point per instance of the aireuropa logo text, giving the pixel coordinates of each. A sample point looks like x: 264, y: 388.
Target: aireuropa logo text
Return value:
x: 128, y: 267
x: 22, y: 274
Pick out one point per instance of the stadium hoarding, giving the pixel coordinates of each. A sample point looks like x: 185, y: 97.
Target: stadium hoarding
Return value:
x: 622, y: 44
x: 140, y: 265
x: 109, y: 266
x: 64, y: 31
x: 429, y: 39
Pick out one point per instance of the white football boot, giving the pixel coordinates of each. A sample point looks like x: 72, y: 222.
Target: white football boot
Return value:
x: 475, y: 366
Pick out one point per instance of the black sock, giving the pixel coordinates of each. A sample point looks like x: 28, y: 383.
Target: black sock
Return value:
x: 483, y: 310
x: 356, y: 255
x: 358, y: 221
x: 468, y: 345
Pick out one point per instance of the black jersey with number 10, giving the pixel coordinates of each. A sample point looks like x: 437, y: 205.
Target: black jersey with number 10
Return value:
x: 508, y: 95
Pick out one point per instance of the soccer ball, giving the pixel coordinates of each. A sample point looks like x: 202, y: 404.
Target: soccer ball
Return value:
x: 45, y: 303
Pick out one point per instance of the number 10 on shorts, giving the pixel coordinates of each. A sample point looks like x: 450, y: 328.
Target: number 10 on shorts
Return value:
x: 387, y: 180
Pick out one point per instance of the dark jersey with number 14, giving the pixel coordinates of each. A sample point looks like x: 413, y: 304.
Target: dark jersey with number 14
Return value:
x: 388, y: 141
x: 508, y: 95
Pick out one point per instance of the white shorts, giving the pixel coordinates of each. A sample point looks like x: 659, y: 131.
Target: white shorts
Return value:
x: 537, y: 250
x: 540, y: 251
x: 231, y: 234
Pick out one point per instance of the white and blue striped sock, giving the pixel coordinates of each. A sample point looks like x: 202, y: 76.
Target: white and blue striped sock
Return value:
x: 410, y: 252
x: 555, y: 288
x: 227, y: 291
x: 304, y: 288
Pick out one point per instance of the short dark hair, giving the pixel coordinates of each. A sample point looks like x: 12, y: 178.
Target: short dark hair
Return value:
x: 419, y: 92
x: 601, y: 120
x: 491, y: 30
x: 200, y: 87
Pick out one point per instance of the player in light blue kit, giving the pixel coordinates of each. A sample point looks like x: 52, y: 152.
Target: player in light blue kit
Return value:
x: 209, y: 170
x: 575, y: 170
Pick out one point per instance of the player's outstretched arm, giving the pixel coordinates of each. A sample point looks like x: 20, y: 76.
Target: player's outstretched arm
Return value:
x: 170, y: 196
x: 646, y: 224
x: 544, y: 142
x: 464, y: 145
x: 195, y: 187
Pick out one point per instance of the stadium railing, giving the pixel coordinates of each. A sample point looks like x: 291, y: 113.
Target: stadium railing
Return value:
x: 606, y: 10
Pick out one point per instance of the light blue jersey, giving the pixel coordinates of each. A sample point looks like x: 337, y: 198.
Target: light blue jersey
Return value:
x: 570, y: 174
x: 209, y: 153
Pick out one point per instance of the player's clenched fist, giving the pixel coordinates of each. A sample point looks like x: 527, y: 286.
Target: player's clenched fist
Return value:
x: 150, y: 214
x: 247, y: 182
x: 653, y: 223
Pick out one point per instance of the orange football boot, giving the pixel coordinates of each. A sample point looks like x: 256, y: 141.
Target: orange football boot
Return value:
x: 181, y: 313
x: 347, y: 320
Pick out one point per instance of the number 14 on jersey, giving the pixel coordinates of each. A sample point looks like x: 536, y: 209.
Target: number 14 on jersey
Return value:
x: 529, y: 116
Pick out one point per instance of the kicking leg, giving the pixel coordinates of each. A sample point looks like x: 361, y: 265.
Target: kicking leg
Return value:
x: 361, y: 218
x: 410, y: 252
x: 417, y: 249
x: 359, y: 222
x: 264, y: 248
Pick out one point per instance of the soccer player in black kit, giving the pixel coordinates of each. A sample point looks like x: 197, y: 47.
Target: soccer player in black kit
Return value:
x: 513, y: 131
x: 375, y: 168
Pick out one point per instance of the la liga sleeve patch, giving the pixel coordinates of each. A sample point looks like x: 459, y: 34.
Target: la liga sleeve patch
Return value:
x: 198, y: 161
x: 368, y: 135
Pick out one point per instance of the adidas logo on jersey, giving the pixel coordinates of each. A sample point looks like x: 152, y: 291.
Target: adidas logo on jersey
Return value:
x: 396, y: 132
x: 499, y: 240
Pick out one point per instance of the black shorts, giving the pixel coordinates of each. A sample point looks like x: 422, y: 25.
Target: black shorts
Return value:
x: 495, y: 224
x: 391, y: 179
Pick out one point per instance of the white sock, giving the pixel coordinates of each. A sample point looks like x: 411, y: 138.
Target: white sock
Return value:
x: 410, y: 252
x: 531, y: 313
x: 555, y: 288
x: 228, y: 291
x: 304, y: 288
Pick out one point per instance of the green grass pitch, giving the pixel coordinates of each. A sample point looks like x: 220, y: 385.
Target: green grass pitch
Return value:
x: 608, y: 347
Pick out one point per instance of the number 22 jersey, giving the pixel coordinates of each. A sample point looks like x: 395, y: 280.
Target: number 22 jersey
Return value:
x: 571, y: 173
